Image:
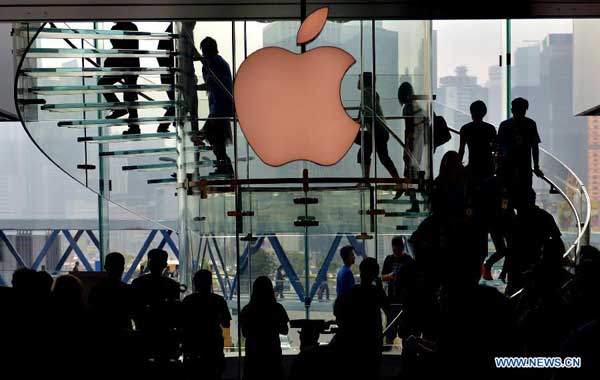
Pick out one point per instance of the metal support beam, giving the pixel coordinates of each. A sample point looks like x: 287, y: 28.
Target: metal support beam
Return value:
x: 248, y: 251
x: 77, y: 250
x: 221, y: 261
x: 93, y: 238
x: 322, y: 275
x: 358, y: 247
x: 45, y: 249
x: 216, y: 269
x: 287, y: 267
x: 167, y: 237
x: 12, y: 250
x: 140, y: 255
x: 67, y: 252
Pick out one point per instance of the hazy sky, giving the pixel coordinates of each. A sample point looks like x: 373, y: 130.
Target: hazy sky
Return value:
x: 478, y: 43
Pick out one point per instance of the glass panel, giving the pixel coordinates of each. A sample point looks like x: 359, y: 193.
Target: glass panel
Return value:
x: 467, y: 67
x: 82, y: 85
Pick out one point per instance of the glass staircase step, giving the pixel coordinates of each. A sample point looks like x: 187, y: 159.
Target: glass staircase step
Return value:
x: 95, y: 53
x: 75, y: 107
x: 95, y: 123
x: 138, y: 152
x: 99, y: 34
x: 67, y: 90
x: 407, y: 214
x: 127, y: 138
x: 162, y: 180
x: 165, y: 165
x: 398, y: 201
x: 148, y: 167
x: 39, y: 72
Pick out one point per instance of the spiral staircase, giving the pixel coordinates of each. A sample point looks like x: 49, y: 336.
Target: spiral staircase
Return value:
x: 62, y: 107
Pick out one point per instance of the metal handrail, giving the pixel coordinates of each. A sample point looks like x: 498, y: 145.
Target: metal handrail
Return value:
x: 581, y: 228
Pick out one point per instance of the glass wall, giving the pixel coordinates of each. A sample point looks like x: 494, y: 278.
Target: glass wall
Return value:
x: 269, y: 223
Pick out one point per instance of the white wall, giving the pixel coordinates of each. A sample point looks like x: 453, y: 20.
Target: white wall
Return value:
x: 586, y: 65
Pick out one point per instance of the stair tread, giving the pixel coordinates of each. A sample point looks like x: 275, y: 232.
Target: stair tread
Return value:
x: 162, y: 180
x: 68, y: 107
x: 127, y: 138
x: 48, y: 33
x: 94, y: 71
x: 165, y: 165
x: 138, y: 152
x: 398, y: 201
x: 113, y: 122
x: 98, y: 53
x: 407, y: 214
x: 56, y: 90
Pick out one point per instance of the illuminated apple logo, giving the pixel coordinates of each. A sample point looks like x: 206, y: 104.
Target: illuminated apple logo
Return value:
x: 289, y: 104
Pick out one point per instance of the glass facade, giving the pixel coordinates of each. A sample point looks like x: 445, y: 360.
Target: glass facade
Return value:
x: 285, y: 222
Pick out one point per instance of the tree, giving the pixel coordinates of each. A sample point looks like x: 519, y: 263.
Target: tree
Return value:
x: 262, y: 264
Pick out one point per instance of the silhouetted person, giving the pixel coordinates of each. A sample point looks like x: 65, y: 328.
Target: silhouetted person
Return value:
x: 531, y: 230
x: 582, y: 343
x: 76, y: 267
x: 279, y: 281
x: 451, y: 203
x: 46, y: 282
x: 167, y: 62
x: 448, y: 198
x: 111, y: 299
x: 586, y: 287
x: 545, y: 315
x: 187, y: 55
x: 466, y: 311
x: 374, y: 127
x: 358, y: 315
x: 480, y: 138
x: 498, y: 217
x: 23, y: 305
x: 414, y: 138
x: 218, y: 83
x: 400, y: 273
x: 518, y: 141
x: 323, y: 289
x: 67, y: 314
x: 262, y: 320
x: 142, y: 270
x: 111, y: 305
x: 345, y: 278
x: 128, y: 80
x: 203, y: 315
x: 155, y: 308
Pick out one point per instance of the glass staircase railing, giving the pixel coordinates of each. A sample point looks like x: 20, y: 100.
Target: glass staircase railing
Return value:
x: 70, y: 90
x: 61, y: 72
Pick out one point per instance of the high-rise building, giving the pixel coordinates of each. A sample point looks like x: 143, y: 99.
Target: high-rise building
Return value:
x: 455, y: 95
x: 593, y: 158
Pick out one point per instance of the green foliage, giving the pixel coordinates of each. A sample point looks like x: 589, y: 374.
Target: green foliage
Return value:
x: 263, y: 264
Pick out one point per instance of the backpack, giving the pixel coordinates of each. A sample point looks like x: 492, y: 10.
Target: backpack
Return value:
x: 441, y: 132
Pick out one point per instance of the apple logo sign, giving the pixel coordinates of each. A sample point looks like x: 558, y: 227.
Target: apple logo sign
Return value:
x: 289, y: 105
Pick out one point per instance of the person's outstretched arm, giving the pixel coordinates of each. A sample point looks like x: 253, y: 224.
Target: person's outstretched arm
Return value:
x: 535, y: 152
x: 461, y: 149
